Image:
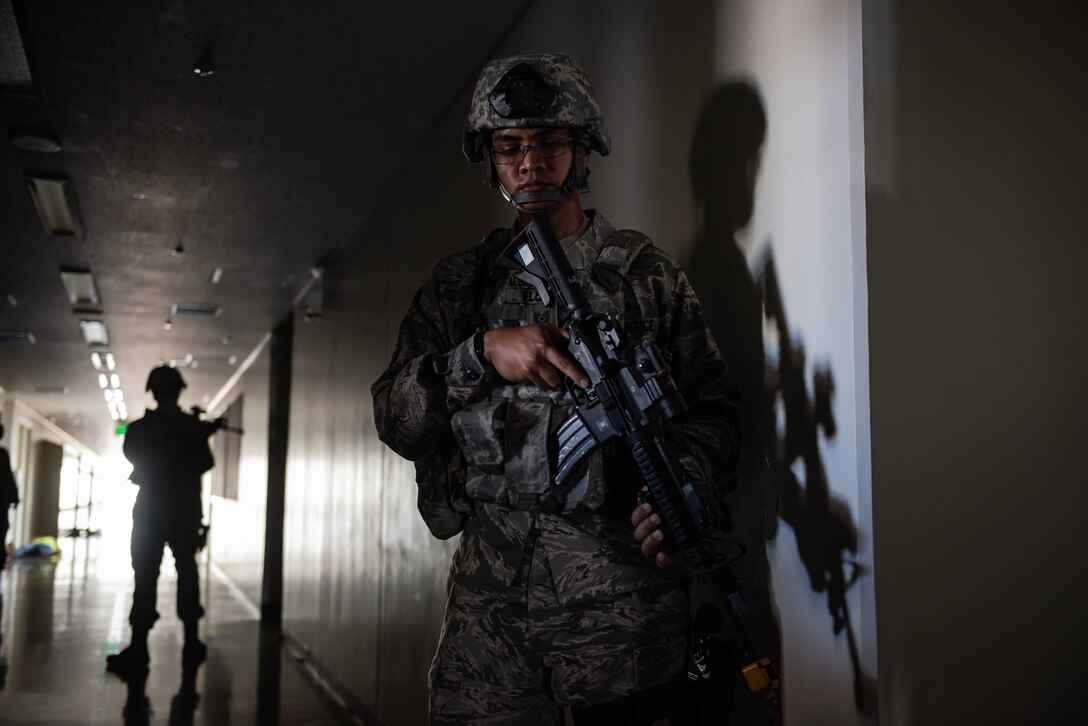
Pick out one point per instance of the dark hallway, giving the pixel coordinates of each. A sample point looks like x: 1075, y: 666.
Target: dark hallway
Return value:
x: 250, y: 192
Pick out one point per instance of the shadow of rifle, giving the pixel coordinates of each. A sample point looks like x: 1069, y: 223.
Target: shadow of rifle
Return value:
x: 822, y: 523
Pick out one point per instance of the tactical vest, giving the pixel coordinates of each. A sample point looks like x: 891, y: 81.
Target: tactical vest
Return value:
x: 505, y: 439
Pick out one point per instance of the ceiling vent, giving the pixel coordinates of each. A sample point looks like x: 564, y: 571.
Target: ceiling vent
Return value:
x: 17, y: 336
x: 52, y: 390
x: 203, y: 309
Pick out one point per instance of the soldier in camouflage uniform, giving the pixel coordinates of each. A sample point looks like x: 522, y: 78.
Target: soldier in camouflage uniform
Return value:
x: 557, y: 596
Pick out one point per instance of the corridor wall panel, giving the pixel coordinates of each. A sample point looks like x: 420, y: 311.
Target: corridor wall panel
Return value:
x: 976, y: 159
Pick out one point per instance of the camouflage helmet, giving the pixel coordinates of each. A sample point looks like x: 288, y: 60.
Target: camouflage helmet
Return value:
x: 164, y: 377
x: 532, y: 90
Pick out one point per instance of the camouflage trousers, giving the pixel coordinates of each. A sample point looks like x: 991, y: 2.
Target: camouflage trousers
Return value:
x: 514, y: 655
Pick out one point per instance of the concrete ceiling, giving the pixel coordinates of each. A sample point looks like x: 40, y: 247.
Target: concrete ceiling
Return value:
x: 260, y: 169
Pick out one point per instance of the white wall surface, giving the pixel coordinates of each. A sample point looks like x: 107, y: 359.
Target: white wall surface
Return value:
x: 804, y: 58
x: 236, y: 539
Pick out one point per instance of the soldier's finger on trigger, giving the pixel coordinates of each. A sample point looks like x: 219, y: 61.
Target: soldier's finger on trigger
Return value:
x: 570, y: 368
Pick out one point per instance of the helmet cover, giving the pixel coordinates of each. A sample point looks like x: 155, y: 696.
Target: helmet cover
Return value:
x: 164, y: 377
x: 533, y: 90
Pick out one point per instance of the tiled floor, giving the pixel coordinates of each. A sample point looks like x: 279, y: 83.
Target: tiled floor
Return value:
x: 60, y: 618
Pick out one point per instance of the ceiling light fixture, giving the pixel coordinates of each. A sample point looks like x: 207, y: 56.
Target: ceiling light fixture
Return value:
x: 52, y: 390
x: 115, y: 380
x: 102, y: 360
x: 41, y: 142
x: 80, y: 286
x: 103, y: 382
x: 217, y: 275
x: 95, y: 333
x: 51, y: 197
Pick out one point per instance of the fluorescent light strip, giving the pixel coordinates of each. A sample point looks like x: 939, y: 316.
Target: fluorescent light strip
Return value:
x: 50, y: 197
x: 80, y: 286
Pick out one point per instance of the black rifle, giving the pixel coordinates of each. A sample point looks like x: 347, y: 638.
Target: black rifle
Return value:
x: 629, y: 401
x: 214, y: 424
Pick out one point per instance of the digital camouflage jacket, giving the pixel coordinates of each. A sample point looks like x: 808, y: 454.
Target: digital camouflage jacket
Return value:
x: 479, y: 443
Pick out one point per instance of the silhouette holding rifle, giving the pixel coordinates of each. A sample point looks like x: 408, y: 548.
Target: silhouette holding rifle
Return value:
x: 169, y: 452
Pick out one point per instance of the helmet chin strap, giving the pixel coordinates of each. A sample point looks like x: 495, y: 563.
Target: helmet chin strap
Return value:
x: 557, y: 198
x: 520, y: 199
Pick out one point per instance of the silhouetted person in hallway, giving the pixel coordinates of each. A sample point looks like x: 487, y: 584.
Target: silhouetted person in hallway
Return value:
x: 169, y: 452
x: 9, y: 497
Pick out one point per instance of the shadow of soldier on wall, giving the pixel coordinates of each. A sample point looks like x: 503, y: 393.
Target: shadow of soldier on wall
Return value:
x: 724, y: 164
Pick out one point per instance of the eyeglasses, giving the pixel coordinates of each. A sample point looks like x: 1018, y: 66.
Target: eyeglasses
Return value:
x: 547, y: 147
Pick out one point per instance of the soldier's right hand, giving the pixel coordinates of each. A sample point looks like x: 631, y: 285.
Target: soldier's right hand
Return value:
x: 534, y: 354
x: 649, y: 535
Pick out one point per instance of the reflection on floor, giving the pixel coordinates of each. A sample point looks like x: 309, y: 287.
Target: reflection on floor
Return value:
x: 59, y: 619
